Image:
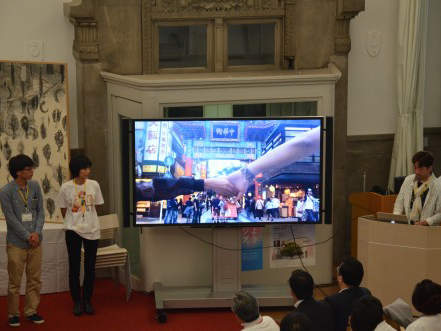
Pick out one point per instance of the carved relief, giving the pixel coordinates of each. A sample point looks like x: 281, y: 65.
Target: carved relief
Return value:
x: 86, y: 39
x: 342, y: 40
x: 346, y: 10
x: 290, y: 12
x: 220, y: 6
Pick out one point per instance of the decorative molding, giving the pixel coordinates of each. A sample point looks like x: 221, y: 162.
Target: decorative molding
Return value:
x: 218, y: 46
x: 216, y: 8
x: 342, y: 39
x: 169, y: 10
x: 346, y: 10
x: 85, y: 47
x: 79, y: 8
x: 290, y: 35
x: 147, y: 36
x: 371, y: 137
x: 329, y: 75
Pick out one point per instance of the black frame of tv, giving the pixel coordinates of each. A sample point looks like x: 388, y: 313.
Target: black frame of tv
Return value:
x: 128, y: 160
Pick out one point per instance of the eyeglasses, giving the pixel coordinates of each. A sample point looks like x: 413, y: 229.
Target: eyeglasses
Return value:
x: 29, y: 168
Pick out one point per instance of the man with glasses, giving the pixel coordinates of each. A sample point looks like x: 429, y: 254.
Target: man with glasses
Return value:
x: 22, y: 204
x: 349, y: 276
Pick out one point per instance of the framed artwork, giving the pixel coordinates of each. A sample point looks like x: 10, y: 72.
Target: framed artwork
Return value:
x: 34, y: 121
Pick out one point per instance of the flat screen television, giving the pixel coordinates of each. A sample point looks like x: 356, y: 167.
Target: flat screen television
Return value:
x: 227, y: 172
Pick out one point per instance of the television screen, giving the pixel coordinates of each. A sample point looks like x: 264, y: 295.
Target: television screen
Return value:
x: 219, y: 172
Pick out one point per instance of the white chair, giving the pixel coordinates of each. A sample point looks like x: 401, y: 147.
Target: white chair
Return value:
x: 112, y: 256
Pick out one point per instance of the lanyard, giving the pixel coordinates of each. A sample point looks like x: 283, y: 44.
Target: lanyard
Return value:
x: 84, y: 189
x: 25, y: 198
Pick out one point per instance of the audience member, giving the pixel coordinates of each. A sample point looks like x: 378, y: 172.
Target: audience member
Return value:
x: 295, y: 321
x: 367, y: 315
x: 319, y: 312
x: 398, y: 312
x: 246, y: 309
x: 349, y: 277
x: 426, y: 298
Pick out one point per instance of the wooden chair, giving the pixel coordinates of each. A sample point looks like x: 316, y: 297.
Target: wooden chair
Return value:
x: 113, y: 255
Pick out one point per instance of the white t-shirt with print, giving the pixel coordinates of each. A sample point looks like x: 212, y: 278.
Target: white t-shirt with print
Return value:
x: 80, y: 202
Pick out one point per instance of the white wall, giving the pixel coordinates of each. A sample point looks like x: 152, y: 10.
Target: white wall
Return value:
x: 43, y: 20
x: 372, y: 90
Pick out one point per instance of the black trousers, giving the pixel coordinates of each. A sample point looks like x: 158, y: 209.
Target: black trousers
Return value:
x: 73, y: 243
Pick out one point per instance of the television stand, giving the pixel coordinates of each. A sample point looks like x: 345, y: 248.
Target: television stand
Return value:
x: 226, y: 282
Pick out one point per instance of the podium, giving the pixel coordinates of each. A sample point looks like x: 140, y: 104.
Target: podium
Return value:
x: 367, y: 203
x: 397, y: 256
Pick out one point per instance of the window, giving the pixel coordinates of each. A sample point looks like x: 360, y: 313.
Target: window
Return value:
x: 192, y: 111
x: 297, y: 108
x: 190, y: 46
x: 183, y: 47
x: 251, y: 44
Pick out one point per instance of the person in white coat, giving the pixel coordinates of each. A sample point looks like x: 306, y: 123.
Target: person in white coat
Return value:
x: 420, y: 195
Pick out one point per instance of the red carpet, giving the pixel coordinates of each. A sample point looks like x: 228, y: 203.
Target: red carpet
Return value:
x: 113, y: 312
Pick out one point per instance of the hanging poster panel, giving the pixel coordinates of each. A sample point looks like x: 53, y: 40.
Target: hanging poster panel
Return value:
x: 285, y: 251
x: 34, y: 121
x: 252, y: 248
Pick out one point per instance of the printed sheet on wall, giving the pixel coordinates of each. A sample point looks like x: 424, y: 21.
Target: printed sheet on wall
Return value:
x: 34, y: 121
x: 286, y: 252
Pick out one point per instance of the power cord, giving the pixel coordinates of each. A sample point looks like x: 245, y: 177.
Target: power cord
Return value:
x: 301, y: 260
x: 265, y: 247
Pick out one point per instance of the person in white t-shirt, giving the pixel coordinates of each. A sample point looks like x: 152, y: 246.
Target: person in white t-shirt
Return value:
x: 426, y: 298
x: 260, y: 205
x: 276, y: 205
x: 77, y: 200
x: 246, y: 309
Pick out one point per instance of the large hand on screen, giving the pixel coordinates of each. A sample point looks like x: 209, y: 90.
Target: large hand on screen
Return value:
x: 240, y: 182
x: 221, y: 186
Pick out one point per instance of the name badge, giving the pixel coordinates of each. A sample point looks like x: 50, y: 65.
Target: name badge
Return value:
x: 26, y: 217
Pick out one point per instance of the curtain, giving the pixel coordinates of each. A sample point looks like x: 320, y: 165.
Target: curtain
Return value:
x: 412, y: 35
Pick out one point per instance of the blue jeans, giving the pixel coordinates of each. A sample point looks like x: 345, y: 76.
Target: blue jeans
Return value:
x: 310, y: 215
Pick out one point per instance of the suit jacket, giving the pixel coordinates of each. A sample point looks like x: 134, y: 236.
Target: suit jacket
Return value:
x: 319, y: 312
x: 341, y: 304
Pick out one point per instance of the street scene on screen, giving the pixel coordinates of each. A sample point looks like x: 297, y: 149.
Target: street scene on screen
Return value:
x: 219, y: 149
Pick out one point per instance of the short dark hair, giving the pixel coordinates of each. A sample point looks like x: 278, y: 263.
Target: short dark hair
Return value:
x: 295, y: 321
x: 77, y: 163
x: 367, y: 313
x: 18, y: 163
x: 426, y: 297
x: 351, y: 270
x: 301, y: 284
x: 245, y: 306
x: 424, y: 159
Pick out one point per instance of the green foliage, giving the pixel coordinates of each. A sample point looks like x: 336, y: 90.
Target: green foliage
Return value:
x: 291, y: 249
